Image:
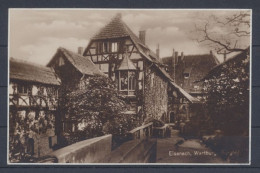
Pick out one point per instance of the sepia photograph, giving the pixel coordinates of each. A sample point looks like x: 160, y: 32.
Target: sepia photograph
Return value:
x: 129, y: 86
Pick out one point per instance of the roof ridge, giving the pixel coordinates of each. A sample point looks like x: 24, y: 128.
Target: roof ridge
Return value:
x: 28, y: 63
x: 116, y: 18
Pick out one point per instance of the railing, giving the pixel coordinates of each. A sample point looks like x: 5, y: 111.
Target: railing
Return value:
x: 142, y: 132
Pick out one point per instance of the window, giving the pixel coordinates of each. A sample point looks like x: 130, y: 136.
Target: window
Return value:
x: 132, y: 83
x: 186, y: 75
x: 127, y: 81
x: 23, y: 89
x: 114, y: 47
x: 123, y: 80
x: 105, y: 47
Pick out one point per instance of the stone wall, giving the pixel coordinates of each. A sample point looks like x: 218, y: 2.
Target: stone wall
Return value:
x: 134, y: 151
x: 155, y: 95
x: 44, y: 144
x: 88, y: 151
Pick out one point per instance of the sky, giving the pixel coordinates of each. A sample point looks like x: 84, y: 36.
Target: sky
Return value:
x: 35, y: 34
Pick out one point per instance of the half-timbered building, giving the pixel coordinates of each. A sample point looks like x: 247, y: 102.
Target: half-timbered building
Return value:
x: 136, y: 69
x: 33, y: 93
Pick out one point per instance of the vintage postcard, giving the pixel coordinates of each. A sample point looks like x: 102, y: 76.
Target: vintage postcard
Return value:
x: 124, y: 86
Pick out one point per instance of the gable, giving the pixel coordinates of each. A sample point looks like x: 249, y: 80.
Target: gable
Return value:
x: 80, y: 63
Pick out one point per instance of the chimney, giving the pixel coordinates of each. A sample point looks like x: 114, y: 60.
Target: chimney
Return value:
x: 158, y: 51
x: 225, y: 55
x: 142, y: 36
x: 173, y: 64
x: 173, y: 58
x: 80, y: 50
x: 182, y: 56
x: 176, y: 57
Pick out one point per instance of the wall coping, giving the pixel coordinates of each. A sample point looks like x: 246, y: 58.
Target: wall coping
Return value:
x: 141, y: 127
x: 74, y: 147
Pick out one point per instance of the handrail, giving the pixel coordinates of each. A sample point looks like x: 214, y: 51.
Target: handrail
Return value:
x: 142, y: 132
x: 141, y: 127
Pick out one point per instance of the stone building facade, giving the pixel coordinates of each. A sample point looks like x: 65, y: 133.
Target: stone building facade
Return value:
x: 156, y: 96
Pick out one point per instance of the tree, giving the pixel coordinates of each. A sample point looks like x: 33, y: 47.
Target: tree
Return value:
x: 98, y: 108
x: 225, y: 34
x: 227, y: 101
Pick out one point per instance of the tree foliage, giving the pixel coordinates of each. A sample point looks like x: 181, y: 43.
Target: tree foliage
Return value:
x: 228, y: 96
x: 225, y: 34
x: 97, y: 108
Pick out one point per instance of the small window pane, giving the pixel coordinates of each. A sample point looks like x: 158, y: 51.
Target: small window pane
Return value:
x: 132, y: 81
x: 123, y: 80
x: 114, y: 47
x: 105, y: 47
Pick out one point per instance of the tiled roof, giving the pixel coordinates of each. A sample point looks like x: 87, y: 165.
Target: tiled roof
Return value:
x: 196, y: 65
x: 25, y: 71
x: 82, y: 64
x: 117, y: 28
x: 126, y: 64
x: 191, y: 59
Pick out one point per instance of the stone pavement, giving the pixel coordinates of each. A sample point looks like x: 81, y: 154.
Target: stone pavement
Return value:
x: 188, y: 151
